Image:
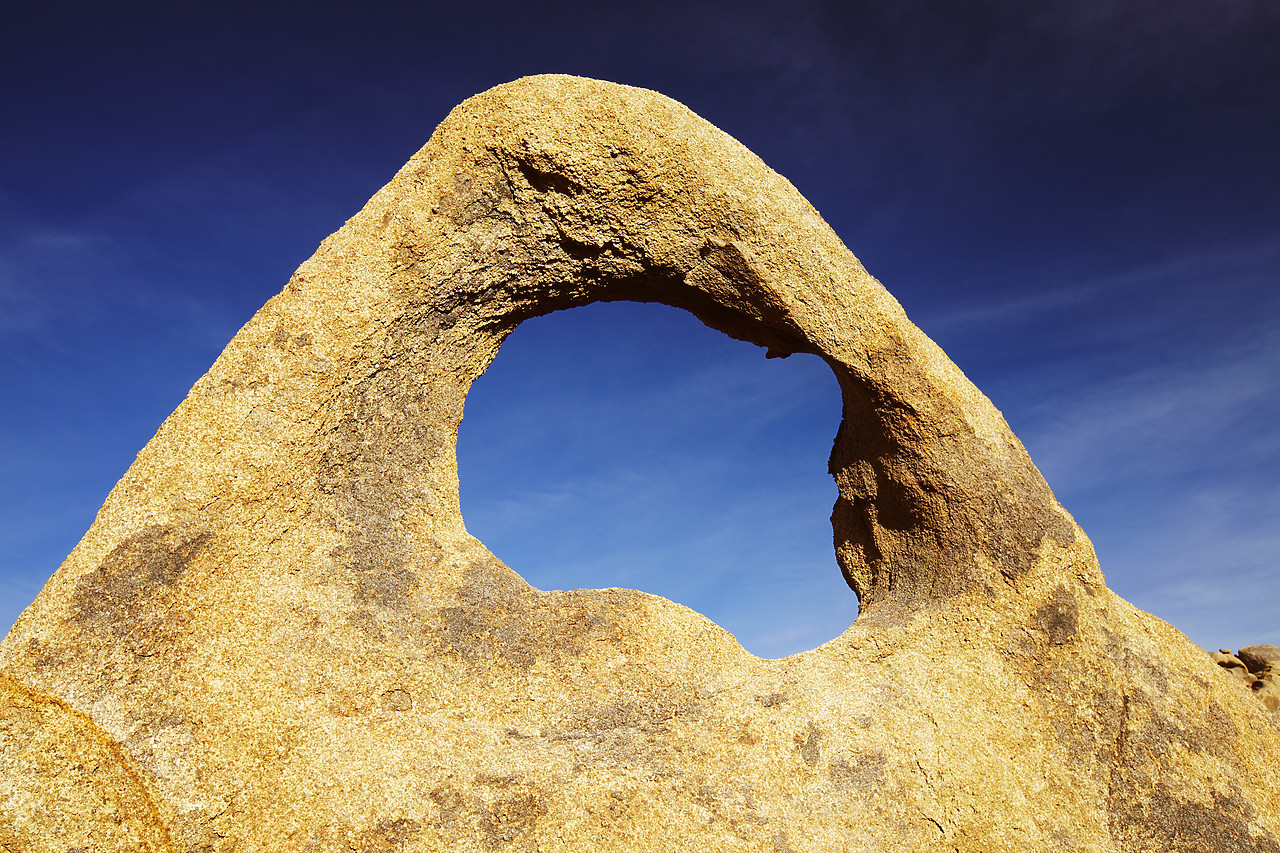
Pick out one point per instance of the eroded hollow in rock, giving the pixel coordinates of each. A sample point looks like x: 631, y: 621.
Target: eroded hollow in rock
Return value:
x: 626, y: 444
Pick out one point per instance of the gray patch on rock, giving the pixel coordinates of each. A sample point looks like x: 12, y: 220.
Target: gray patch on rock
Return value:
x: 390, y: 835
x: 486, y: 585
x: 1058, y: 619
x: 507, y: 818
x: 1152, y: 817
x: 809, y: 744
x: 368, y: 623
x: 500, y: 616
x: 115, y: 597
x: 374, y: 466
x: 865, y: 771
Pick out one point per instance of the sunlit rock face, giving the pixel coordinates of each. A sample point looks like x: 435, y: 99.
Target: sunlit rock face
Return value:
x: 279, y: 636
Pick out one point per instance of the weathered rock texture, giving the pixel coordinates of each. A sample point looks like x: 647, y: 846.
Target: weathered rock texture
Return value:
x: 278, y: 635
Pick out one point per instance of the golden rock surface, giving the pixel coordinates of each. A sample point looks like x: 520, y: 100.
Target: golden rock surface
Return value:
x: 279, y: 636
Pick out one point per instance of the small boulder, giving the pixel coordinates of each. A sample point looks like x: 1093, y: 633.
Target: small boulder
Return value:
x: 1231, y: 664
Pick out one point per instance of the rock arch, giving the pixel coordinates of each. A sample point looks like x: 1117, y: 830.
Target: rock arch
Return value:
x: 281, y: 622
x: 605, y: 200
x: 554, y: 192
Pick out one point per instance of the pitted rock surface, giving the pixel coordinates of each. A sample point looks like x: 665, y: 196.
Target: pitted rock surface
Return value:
x: 279, y: 636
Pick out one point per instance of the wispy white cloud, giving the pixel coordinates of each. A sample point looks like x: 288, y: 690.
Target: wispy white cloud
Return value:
x: 1079, y: 292
x: 1209, y: 564
x: 1161, y: 420
x: 54, y: 276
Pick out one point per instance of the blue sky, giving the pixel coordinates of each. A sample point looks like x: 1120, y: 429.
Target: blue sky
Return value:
x: 1080, y: 201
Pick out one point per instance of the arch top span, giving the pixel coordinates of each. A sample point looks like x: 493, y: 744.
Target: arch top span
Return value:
x: 345, y: 391
x: 553, y: 191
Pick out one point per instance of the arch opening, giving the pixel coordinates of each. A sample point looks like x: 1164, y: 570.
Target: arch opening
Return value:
x: 627, y: 444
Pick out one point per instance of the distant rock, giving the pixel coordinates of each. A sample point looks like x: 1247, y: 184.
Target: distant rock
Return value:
x: 1258, y: 667
x: 1259, y: 658
x: 279, y: 636
x: 1267, y: 691
x: 1232, y: 664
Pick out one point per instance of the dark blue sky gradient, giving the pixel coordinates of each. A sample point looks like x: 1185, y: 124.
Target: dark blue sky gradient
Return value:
x: 1080, y: 201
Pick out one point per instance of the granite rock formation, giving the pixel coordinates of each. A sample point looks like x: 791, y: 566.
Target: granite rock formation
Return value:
x: 1258, y: 667
x: 279, y: 636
